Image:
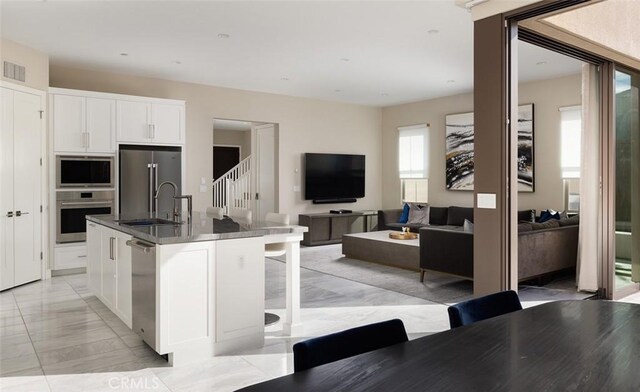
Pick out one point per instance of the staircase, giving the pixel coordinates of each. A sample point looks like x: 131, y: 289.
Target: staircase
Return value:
x: 233, y: 189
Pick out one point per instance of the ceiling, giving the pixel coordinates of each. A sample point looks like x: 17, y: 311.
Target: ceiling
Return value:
x: 371, y: 53
x: 231, y: 125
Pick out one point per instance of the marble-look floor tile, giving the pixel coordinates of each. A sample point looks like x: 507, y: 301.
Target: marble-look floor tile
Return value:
x: 215, y: 374
x: 80, y: 351
x: 11, y: 330
x: 15, y: 346
x: 141, y: 380
x: 24, y: 384
x: 62, y: 322
x: 16, y: 364
x: 83, y: 334
x: 90, y: 363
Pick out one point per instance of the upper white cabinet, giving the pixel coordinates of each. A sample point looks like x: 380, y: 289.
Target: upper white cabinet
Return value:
x: 83, y: 124
x: 94, y: 122
x: 150, y: 122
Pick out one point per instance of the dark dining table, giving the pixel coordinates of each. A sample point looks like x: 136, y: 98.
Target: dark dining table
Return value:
x: 556, y: 346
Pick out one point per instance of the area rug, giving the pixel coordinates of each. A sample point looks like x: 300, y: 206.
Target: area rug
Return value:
x: 441, y: 288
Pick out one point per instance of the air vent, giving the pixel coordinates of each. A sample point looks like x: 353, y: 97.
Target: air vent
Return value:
x: 14, y: 71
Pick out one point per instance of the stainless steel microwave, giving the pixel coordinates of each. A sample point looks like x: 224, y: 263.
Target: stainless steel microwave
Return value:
x: 84, y: 172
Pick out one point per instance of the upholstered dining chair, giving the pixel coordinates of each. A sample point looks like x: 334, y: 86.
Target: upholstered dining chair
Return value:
x: 477, y: 309
x: 215, y: 212
x: 279, y: 248
x: 345, y: 344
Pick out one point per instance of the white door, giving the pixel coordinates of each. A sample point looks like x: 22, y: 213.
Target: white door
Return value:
x: 101, y: 125
x: 166, y: 123
x: 6, y: 190
x: 133, y: 121
x: 69, y: 124
x: 265, y: 159
x: 27, y: 139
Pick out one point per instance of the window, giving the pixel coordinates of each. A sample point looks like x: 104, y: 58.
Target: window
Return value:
x: 571, y: 140
x: 412, y: 151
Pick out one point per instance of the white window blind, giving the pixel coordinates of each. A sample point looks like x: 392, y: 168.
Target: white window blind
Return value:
x: 412, y: 151
x: 571, y: 140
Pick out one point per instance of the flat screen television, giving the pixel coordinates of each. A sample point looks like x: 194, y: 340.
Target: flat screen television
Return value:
x: 333, y: 177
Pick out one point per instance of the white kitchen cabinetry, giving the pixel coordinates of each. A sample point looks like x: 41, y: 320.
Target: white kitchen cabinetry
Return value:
x: 20, y: 186
x: 150, y: 122
x: 83, y: 124
x: 239, y: 273
x: 109, y: 269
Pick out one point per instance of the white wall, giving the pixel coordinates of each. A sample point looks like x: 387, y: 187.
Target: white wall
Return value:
x: 35, y: 62
x: 305, y: 125
x: 547, y: 96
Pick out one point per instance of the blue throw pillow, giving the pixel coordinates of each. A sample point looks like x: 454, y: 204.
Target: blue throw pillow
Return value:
x: 549, y: 214
x: 405, y: 214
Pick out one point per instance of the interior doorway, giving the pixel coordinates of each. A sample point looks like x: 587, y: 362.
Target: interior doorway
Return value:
x: 245, y: 166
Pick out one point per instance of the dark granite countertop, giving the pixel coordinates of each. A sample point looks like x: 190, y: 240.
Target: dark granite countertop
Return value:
x: 202, y: 228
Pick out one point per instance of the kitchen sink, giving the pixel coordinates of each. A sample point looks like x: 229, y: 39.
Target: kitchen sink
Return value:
x: 148, y: 222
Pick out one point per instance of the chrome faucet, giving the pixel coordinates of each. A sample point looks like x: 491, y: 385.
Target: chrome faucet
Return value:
x: 176, y: 214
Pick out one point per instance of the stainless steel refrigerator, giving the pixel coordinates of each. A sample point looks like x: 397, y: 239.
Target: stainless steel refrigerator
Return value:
x: 142, y: 169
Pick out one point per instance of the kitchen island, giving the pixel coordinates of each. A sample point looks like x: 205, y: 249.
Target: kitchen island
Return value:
x: 191, y: 290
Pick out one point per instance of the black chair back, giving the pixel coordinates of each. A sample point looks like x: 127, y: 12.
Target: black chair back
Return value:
x: 340, y: 345
x: 468, y: 312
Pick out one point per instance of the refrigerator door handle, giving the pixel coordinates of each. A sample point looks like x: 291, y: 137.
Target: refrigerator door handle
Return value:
x: 155, y: 180
x: 151, y: 190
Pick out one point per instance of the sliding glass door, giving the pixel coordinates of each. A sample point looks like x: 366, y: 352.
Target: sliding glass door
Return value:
x: 627, y: 177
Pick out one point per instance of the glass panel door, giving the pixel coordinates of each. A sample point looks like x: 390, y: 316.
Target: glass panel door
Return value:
x: 627, y: 175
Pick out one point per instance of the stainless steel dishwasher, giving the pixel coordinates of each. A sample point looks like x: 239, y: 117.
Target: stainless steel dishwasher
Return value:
x: 143, y: 282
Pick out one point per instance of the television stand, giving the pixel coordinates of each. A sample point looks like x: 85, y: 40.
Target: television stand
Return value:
x: 328, y: 228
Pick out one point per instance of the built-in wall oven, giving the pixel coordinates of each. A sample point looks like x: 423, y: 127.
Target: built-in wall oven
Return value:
x: 84, y: 172
x: 72, y: 208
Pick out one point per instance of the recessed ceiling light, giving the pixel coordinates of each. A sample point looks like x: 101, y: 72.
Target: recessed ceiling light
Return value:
x: 433, y: 31
x: 541, y: 63
x: 451, y: 81
x: 177, y: 62
x: 124, y: 54
x: 384, y: 94
x: 337, y: 90
x: 345, y: 59
x: 285, y: 79
x: 223, y: 36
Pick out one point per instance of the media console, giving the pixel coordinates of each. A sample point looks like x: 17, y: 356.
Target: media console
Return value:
x: 328, y: 228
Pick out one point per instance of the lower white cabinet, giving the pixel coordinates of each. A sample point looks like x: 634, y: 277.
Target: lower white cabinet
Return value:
x: 109, y: 269
x: 69, y: 256
x: 239, y: 280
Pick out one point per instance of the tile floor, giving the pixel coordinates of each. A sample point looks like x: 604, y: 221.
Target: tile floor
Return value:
x: 56, y: 336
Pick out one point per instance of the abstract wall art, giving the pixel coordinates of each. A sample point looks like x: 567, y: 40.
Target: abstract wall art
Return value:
x: 459, y: 136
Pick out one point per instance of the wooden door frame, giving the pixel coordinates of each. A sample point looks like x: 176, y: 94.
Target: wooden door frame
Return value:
x: 46, y: 196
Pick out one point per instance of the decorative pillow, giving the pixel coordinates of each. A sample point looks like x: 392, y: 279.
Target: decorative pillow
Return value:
x: 457, y: 215
x: 527, y: 216
x: 418, y: 214
x: 438, y: 215
x: 550, y: 224
x: 574, y: 220
x: 467, y: 226
x: 405, y: 214
x: 549, y: 214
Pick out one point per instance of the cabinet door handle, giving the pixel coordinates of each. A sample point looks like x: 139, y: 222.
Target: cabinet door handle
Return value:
x: 153, y: 131
x: 9, y: 214
x: 20, y: 213
x: 111, y: 239
x: 150, y: 131
x: 88, y: 140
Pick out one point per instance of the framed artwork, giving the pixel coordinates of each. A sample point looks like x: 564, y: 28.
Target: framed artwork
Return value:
x: 459, y: 152
x: 525, y: 149
x: 459, y: 138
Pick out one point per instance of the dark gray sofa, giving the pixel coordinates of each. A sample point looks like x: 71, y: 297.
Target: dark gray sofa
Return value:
x: 540, y: 251
x: 448, y: 217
